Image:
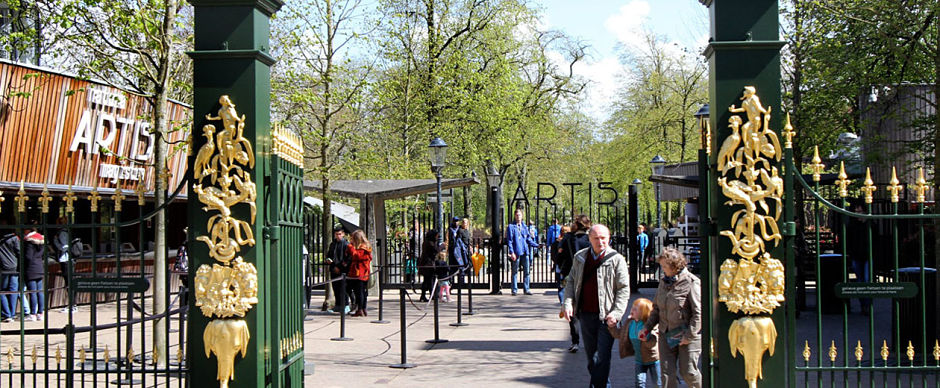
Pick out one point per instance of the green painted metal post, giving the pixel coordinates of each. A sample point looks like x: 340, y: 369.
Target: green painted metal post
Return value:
x: 231, y: 58
x: 744, y: 51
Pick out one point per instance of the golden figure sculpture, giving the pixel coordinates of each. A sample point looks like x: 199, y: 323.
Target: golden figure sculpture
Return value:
x: 202, y: 166
x: 228, y: 288
x: 726, y: 279
x: 726, y: 159
x: 226, y: 338
x: 752, y: 336
x: 752, y: 282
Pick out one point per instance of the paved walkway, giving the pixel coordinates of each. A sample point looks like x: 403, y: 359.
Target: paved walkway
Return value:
x: 511, y: 341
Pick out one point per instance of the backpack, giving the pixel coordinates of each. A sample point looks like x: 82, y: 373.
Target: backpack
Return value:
x: 75, y: 248
x: 9, y: 252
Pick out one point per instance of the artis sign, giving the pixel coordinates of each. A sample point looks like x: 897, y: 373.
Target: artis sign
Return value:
x: 104, y: 118
x: 602, y: 194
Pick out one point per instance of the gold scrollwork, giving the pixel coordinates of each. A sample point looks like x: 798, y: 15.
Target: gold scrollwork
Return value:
x: 752, y: 336
x: 288, y: 146
x: 228, y: 288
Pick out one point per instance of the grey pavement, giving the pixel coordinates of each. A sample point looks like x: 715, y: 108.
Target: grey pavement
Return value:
x: 510, y: 341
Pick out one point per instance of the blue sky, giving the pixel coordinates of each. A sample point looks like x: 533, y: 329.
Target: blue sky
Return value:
x: 603, y: 24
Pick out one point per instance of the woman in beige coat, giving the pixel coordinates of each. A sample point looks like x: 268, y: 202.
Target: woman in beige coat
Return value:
x: 677, y: 308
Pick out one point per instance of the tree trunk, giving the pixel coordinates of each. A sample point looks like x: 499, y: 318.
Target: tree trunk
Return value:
x: 160, y: 296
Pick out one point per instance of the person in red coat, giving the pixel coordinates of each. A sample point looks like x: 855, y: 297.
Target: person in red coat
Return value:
x: 359, y: 252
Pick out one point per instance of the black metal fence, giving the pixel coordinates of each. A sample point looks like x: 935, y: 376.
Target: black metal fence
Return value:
x: 78, y: 306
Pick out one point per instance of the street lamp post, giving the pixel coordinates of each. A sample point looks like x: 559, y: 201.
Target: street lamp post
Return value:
x: 656, y: 167
x: 492, y: 179
x: 633, y: 232
x: 437, y: 151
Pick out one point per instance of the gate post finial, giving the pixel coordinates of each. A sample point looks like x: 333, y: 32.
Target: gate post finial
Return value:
x: 921, y: 187
x: 843, y: 182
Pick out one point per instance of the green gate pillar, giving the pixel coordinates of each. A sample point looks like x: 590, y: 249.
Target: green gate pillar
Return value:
x: 744, y: 179
x: 230, y: 341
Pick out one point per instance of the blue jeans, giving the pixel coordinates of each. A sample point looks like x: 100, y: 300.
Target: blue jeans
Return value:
x: 597, y: 345
x: 37, y: 299
x: 525, y: 261
x: 642, y: 370
x: 8, y: 283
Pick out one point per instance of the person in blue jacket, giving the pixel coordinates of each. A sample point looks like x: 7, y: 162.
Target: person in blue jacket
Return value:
x: 551, y: 235
x: 518, y: 241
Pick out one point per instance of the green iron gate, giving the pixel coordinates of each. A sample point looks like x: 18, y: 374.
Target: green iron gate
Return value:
x: 866, y: 266
x: 98, y: 327
x: 762, y: 262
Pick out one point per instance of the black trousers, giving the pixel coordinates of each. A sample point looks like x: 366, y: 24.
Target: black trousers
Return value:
x: 340, y: 296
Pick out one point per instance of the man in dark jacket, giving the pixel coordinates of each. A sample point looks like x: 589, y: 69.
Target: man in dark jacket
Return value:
x: 339, y: 265
x: 9, y: 275
x: 571, y: 243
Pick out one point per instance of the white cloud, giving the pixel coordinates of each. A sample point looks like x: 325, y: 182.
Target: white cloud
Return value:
x: 602, y: 75
x: 627, y: 24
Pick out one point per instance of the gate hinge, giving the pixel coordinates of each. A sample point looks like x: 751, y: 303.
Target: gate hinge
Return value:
x: 789, y: 229
x: 272, y: 232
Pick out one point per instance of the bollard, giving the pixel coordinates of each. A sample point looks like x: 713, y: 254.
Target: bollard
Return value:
x: 342, y: 313
x: 379, y: 280
x: 437, y: 331
x: 469, y: 296
x: 403, y: 330
x: 459, y: 302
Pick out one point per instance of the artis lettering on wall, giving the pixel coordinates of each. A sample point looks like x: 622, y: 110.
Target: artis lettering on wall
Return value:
x: 105, y: 117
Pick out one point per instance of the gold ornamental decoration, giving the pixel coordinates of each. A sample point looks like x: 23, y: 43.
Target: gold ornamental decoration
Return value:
x: 229, y: 287
x: 752, y: 336
x: 752, y: 281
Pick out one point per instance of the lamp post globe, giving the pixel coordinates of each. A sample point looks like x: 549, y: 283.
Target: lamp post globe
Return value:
x: 437, y: 153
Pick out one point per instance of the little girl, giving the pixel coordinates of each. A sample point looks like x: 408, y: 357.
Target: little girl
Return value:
x: 647, y: 361
x: 442, y: 272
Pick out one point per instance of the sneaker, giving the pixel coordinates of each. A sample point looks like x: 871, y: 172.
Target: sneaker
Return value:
x: 330, y: 311
x: 528, y: 292
x: 7, y: 320
x: 347, y: 310
x: 513, y: 293
x: 573, y: 348
x: 29, y: 318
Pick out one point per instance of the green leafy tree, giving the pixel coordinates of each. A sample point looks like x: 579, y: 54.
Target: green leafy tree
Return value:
x: 134, y: 46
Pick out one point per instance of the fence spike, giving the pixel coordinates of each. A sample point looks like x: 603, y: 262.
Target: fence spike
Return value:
x: 910, y: 351
x: 130, y: 355
x: 179, y: 355
x: 34, y: 356
x: 1, y: 200
x: 10, y: 356
x: 817, y: 164
x: 21, y: 199
x: 107, y: 354
x: 921, y: 186
x: 936, y: 351
x: 833, y: 352
x: 44, y: 199
x: 806, y: 351
x: 94, y: 198
x: 58, y: 355
x: 155, y: 354
x: 140, y: 194
x: 81, y: 355
x: 69, y: 199
x: 843, y: 182
x: 869, y: 187
x: 118, y: 197
x: 895, y: 186
x: 859, y: 352
x: 884, y: 350
x: 789, y: 133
